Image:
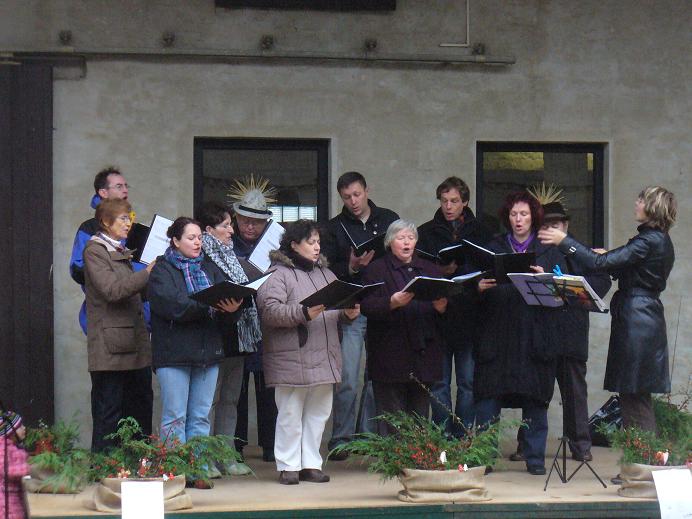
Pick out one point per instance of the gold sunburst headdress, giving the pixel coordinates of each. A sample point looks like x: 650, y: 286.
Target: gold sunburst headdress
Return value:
x: 546, y: 194
x: 251, y: 196
x: 550, y: 197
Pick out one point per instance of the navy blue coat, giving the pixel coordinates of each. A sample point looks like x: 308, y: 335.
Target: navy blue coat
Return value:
x: 183, y: 332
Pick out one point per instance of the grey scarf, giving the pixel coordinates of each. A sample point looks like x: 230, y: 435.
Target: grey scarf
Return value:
x: 222, y: 255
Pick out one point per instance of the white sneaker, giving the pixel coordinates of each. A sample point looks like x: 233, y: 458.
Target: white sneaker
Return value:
x: 213, y: 472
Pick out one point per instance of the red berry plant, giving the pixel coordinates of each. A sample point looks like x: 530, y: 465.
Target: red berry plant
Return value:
x: 418, y: 443
x: 138, y: 456
x: 63, y: 466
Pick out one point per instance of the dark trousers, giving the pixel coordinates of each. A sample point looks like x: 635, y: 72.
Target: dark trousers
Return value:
x: 571, y: 378
x: 116, y: 395
x: 391, y: 397
x: 266, y: 413
x: 534, y: 436
x: 638, y: 411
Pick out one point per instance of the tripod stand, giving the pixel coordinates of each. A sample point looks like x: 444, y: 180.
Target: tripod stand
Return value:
x: 564, y: 440
x: 561, y: 291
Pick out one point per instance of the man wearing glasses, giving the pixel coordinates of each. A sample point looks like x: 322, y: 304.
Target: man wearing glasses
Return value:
x: 108, y: 183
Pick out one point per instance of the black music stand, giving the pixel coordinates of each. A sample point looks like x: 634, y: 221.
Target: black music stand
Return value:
x: 568, y: 300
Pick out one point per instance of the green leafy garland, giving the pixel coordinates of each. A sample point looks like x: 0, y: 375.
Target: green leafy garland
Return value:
x: 419, y: 444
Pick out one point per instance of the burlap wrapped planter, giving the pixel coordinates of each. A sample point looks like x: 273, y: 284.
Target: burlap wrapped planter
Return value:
x: 38, y: 485
x: 638, y: 480
x: 107, y: 496
x: 449, y: 486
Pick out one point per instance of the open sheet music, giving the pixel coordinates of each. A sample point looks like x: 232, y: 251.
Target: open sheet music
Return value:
x: 547, y: 289
x: 339, y: 295
x: 156, y: 241
x: 425, y: 288
x: 229, y: 290
x: 446, y: 254
x: 269, y: 241
x: 500, y: 263
x: 375, y: 243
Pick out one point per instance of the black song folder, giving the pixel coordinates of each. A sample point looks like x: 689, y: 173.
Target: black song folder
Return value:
x: 339, y: 295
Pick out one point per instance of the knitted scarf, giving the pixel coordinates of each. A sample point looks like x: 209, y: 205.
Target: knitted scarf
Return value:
x: 222, y: 255
x: 195, y: 278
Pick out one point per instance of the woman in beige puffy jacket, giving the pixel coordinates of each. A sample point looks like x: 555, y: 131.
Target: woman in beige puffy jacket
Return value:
x: 302, y: 354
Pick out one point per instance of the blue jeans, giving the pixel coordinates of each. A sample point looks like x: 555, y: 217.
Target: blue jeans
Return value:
x: 346, y: 393
x: 535, y: 435
x: 186, y: 397
x: 462, y: 358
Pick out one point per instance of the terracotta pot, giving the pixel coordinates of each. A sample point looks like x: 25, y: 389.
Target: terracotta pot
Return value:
x: 107, y: 497
x: 449, y: 486
x: 638, y: 480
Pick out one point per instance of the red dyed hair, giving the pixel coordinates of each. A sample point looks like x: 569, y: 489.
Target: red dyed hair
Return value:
x: 534, y: 205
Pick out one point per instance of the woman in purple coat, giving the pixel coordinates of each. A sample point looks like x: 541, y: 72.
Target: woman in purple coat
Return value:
x: 403, y: 339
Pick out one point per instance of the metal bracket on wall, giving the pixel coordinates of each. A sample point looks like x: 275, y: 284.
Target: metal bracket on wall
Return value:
x: 69, y: 57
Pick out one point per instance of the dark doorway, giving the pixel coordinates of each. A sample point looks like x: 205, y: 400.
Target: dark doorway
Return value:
x: 297, y: 168
x: 577, y: 169
x: 26, y: 257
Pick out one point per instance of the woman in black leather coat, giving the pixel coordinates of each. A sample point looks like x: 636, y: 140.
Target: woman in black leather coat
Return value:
x: 638, y: 352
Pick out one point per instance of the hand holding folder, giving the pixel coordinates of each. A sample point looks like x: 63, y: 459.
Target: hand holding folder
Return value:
x: 228, y: 290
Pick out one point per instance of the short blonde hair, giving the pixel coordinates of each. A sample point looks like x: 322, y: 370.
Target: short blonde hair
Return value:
x: 395, y: 227
x: 660, y: 207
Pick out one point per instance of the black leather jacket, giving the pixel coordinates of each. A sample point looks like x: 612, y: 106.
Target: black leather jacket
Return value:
x: 638, y: 352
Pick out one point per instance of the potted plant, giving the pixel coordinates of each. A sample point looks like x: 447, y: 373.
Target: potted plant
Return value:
x: 57, y: 464
x: 139, y: 457
x: 644, y: 452
x: 431, y: 465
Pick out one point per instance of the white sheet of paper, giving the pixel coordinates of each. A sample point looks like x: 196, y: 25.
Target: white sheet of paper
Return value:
x: 142, y: 499
x: 674, y: 489
x: 268, y: 242
x: 157, y: 242
x: 259, y: 281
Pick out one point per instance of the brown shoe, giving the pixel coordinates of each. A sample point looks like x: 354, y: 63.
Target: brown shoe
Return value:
x: 200, y: 484
x: 313, y: 476
x: 517, y: 456
x: 288, y: 477
x: 587, y: 456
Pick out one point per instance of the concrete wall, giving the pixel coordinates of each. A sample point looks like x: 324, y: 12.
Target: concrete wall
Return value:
x: 616, y: 72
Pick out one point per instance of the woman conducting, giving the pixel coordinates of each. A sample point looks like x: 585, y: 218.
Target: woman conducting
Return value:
x: 302, y: 354
x: 638, y: 353
x: 515, y: 352
x: 187, y: 337
x: 117, y: 338
x: 403, y: 337
x: 217, y: 244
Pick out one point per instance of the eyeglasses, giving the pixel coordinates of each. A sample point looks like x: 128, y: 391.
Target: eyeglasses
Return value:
x: 120, y: 187
x: 223, y: 226
x: 125, y: 218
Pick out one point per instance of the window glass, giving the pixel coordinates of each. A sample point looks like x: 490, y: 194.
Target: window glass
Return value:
x: 576, y: 169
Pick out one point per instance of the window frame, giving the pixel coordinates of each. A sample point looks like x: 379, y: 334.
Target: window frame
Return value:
x: 321, y: 146
x: 596, y: 148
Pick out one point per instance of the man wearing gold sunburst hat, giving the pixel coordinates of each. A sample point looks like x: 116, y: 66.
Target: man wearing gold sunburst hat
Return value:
x: 250, y: 200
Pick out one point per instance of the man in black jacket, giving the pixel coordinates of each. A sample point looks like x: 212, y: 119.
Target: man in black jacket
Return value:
x: 452, y: 223
x: 359, y: 221
x: 570, y: 331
